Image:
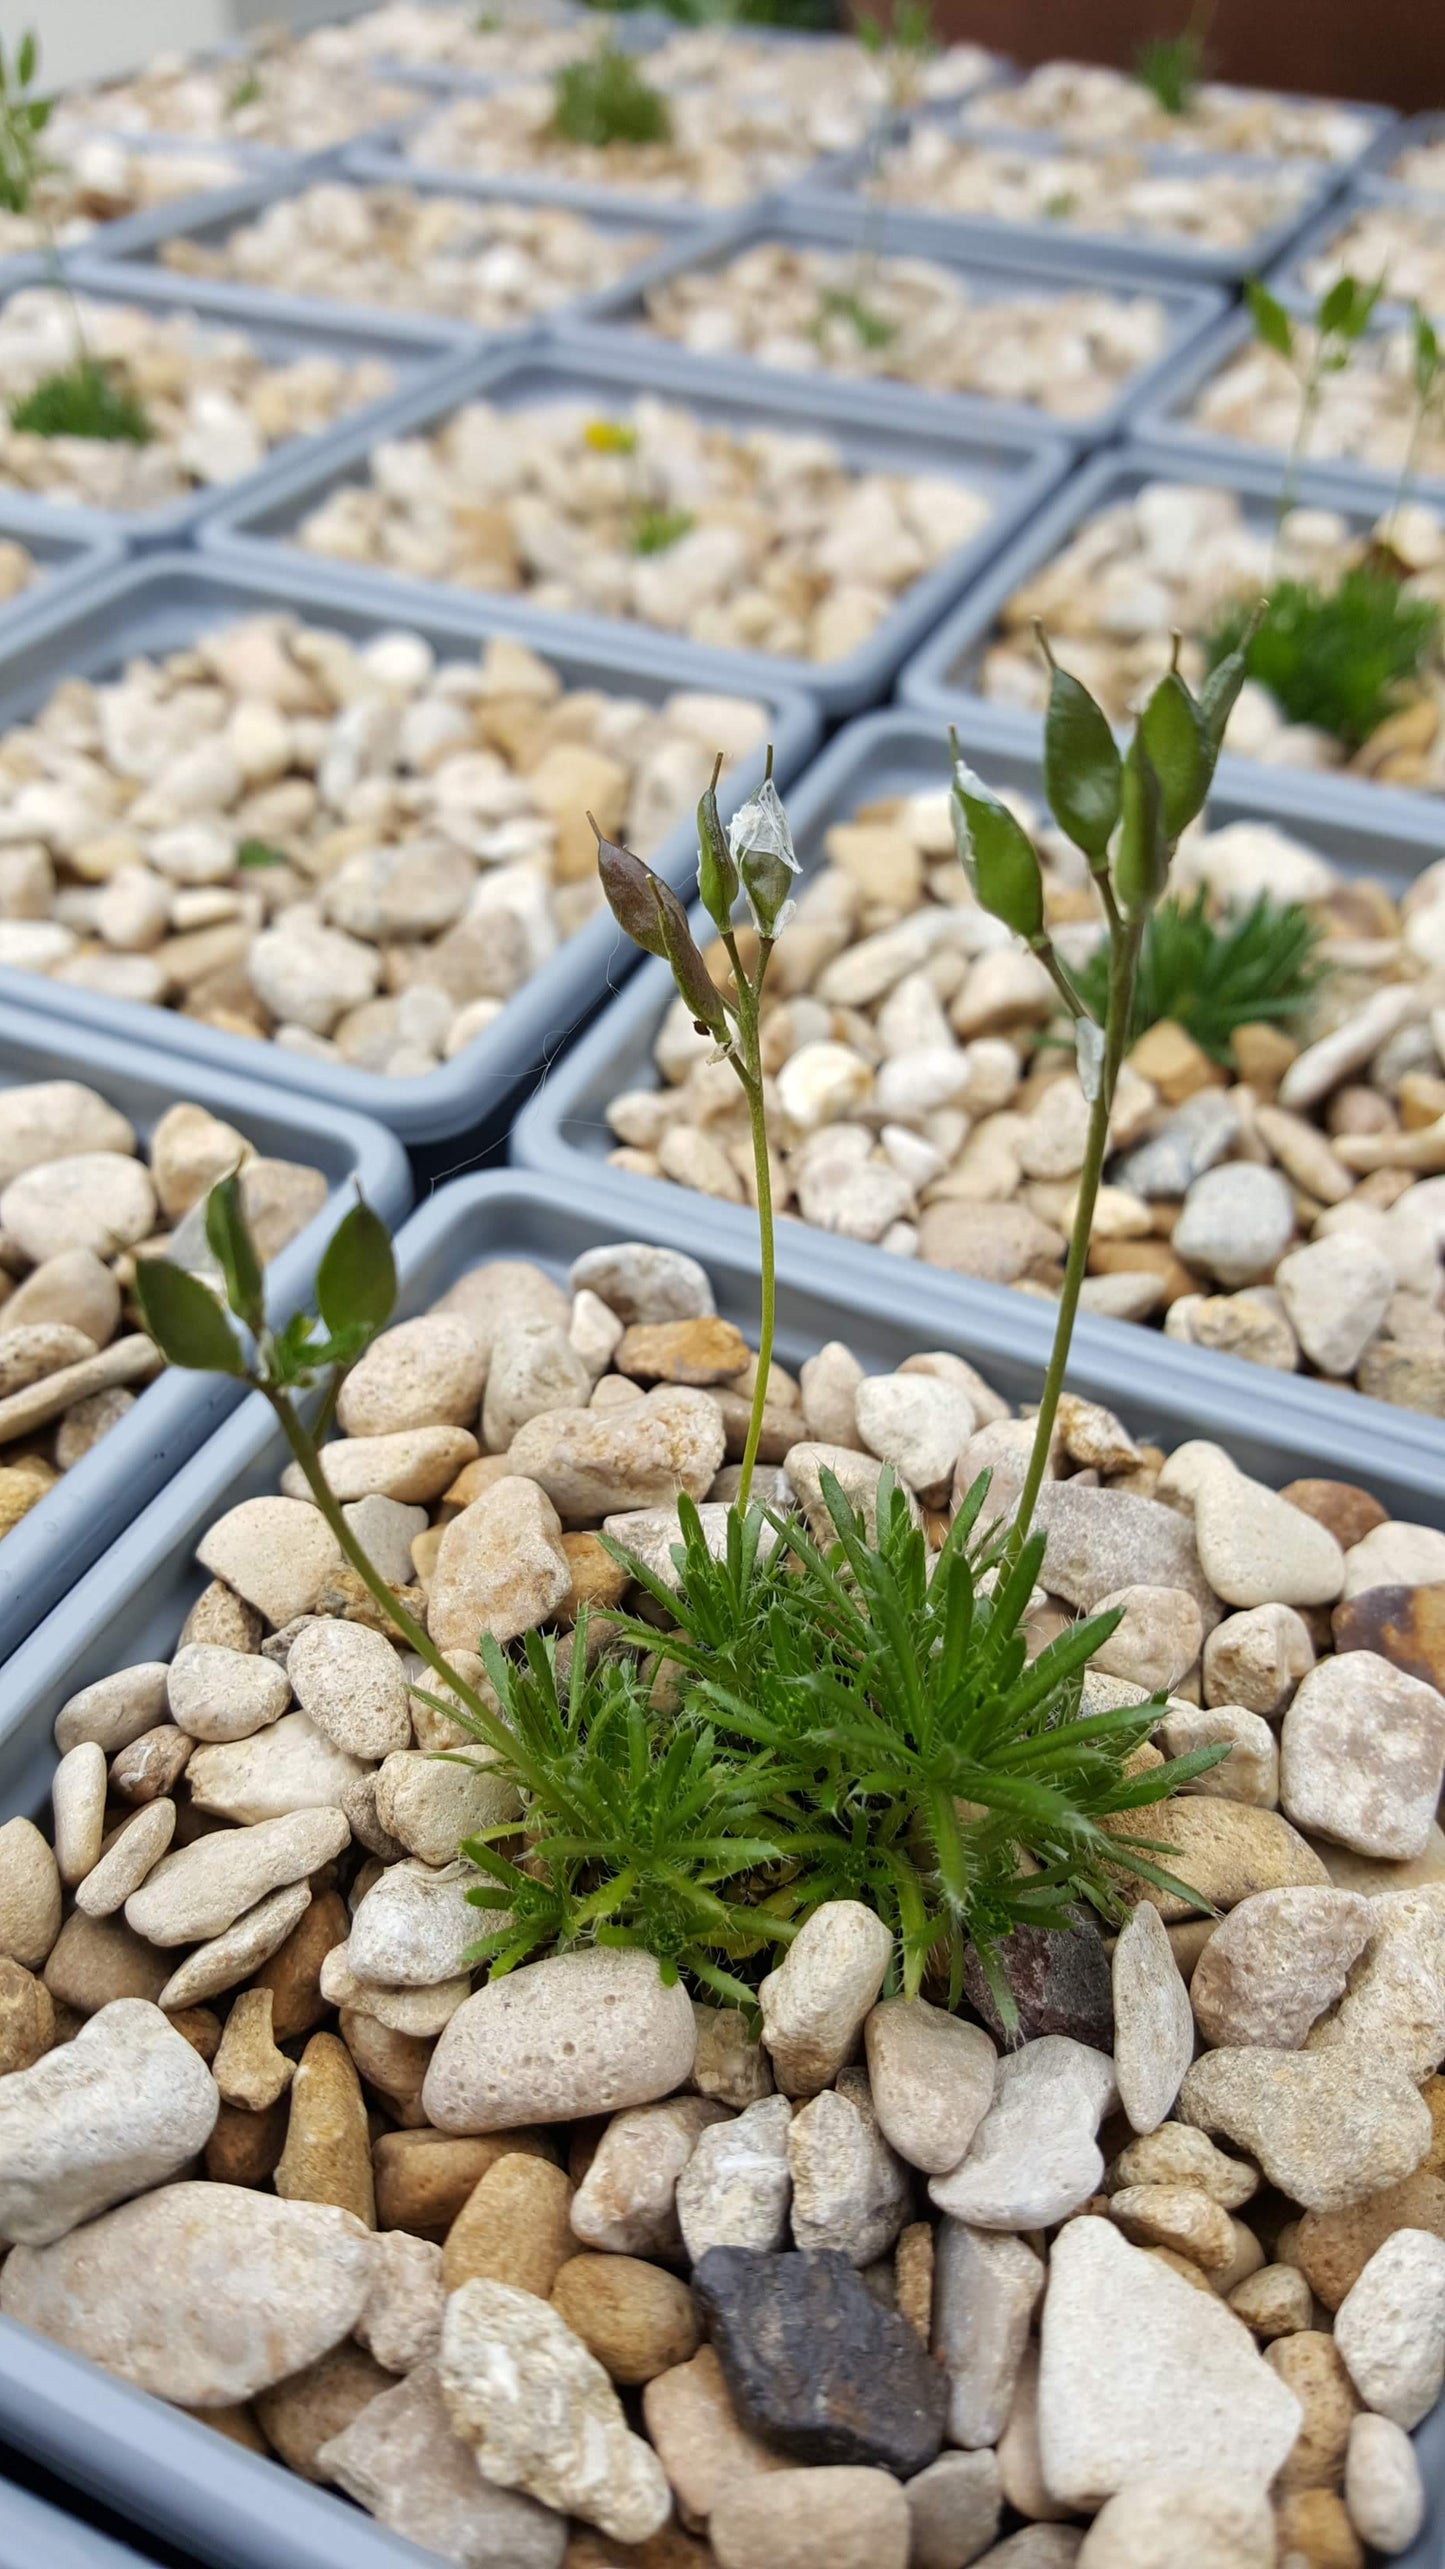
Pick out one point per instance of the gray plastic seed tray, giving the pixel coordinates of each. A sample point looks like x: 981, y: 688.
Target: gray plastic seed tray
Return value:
x: 90, y: 1505
x: 1378, y: 166
x: 1287, y: 279
x: 210, y: 219
x: 417, y: 351
x: 36, y: 2535
x: 386, y: 157
x: 170, y: 2475
x: 161, y: 603
x: 1379, y: 123
x: 943, y: 681
x: 68, y: 563
x: 1192, y: 312
x: 115, y: 239
x: 1015, y: 472
x: 563, y: 1131
x: 1163, y: 419
x: 835, y: 193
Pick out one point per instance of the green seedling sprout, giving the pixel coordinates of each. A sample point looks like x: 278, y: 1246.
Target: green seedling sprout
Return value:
x: 81, y: 399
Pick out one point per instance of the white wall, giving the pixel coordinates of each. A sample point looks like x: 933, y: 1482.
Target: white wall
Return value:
x: 83, y: 39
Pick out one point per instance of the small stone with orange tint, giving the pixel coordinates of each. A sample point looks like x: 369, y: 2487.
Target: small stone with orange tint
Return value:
x: 423, y: 2178
x: 302, y: 2413
x: 293, y: 1974
x: 1310, y: 2364
x: 1350, y: 1512
x: 27, y: 2017
x: 597, y: 1580
x: 1314, y: 2528
x: 1332, y: 2249
x: 699, y: 1351
x: 201, y: 2028
x: 913, y: 2278
x: 637, y: 2319
x: 1404, y: 1625
x: 702, y: 2444
x: 513, y: 2228
x: 327, y: 2157
x: 244, y: 2148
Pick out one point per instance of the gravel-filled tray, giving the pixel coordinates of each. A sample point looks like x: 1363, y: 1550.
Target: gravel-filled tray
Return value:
x: 1270, y: 1195
x: 628, y: 487
x: 385, y: 820
x: 1061, y: 350
x: 719, y: 119
x: 1140, y: 544
x: 1232, y: 396
x: 468, y: 254
x: 280, y: 93
x: 1376, y: 234
x: 104, y: 1157
x: 1090, y: 103
x: 200, y: 394
x: 1141, y: 209
x: 383, y: 2272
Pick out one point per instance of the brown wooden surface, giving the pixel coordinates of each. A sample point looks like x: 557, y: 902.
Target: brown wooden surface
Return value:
x: 1386, y: 49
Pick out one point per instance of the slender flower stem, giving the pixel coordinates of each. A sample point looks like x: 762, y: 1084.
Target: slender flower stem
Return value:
x: 1123, y: 961
x: 497, y: 1736
x: 750, y: 1071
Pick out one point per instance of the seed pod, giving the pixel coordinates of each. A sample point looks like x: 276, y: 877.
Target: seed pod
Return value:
x: 1180, y: 752
x: 1141, y: 859
x: 1083, y: 772
x: 996, y: 854
x: 627, y: 883
x: 694, y: 981
x: 717, y: 876
x: 761, y: 844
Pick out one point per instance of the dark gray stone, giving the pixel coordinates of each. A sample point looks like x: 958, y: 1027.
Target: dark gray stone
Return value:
x: 1061, y: 1983
x: 815, y: 2366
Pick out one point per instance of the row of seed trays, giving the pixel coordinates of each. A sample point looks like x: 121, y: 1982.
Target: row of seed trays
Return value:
x: 730, y: 1914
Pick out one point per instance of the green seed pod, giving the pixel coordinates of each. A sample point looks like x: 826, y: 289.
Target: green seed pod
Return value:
x: 1083, y: 772
x: 761, y: 844
x: 1141, y: 859
x: 694, y: 981
x: 717, y: 876
x: 1180, y: 752
x: 996, y: 854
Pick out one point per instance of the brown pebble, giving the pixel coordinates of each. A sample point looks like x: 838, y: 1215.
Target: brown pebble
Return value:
x: 513, y: 2228
x: 27, y: 2017
x: 151, y: 1764
x: 1433, y: 2092
x: 670, y: 2549
x: 1313, y: 2528
x: 1350, y: 1512
x: 302, y: 2413
x: 637, y: 2319
x: 1404, y: 1625
x: 597, y: 1580
x: 201, y: 2028
x: 293, y: 1974
x: 238, y: 2425
x: 1313, y: 2368
x: 1332, y: 2249
x: 327, y: 2158
x: 1144, y: 1258
x: 94, y: 1960
x: 682, y: 1351
x: 1173, y: 1062
x: 913, y: 2278
x: 394, y: 2064
x: 222, y: 1618
x: 244, y: 2149
x: 698, y: 2438
x: 424, y: 2178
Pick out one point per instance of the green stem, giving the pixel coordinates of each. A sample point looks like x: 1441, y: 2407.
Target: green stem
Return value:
x: 750, y: 1072
x: 495, y: 1732
x: 1294, y: 461
x: 1123, y: 963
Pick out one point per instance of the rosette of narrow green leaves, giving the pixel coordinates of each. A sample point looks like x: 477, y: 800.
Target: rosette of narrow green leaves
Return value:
x: 996, y: 854
x: 761, y: 845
